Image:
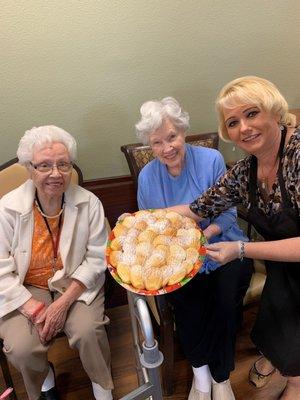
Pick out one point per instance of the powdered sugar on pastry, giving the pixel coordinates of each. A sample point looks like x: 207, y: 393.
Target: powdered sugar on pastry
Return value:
x: 154, y: 249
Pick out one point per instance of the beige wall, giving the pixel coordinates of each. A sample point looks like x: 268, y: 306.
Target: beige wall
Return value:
x: 88, y: 65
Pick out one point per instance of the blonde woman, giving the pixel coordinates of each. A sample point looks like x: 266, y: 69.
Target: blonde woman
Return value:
x: 254, y: 116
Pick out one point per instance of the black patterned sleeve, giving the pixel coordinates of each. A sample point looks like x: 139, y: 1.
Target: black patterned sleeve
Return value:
x: 229, y: 191
x: 297, y: 177
x: 291, y: 169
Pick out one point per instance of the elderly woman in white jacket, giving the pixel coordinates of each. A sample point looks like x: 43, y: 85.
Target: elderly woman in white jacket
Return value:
x: 52, y: 267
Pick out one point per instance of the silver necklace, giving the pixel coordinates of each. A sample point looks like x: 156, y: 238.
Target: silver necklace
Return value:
x: 265, y: 177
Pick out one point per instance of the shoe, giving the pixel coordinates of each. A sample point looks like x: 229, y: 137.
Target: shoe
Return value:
x: 222, y: 391
x: 52, y: 393
x: 256, y: 378
x: 197, y: 395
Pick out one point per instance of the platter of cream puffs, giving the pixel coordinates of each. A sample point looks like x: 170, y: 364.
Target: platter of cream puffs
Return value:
x: 153, y: 252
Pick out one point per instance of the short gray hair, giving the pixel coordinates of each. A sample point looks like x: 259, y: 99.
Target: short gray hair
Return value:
x: 154, y: 112
x: 39, y: 138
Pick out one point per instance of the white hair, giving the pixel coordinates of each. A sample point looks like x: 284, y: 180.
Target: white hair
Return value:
x: 39, y: 138
x: 154, y: 112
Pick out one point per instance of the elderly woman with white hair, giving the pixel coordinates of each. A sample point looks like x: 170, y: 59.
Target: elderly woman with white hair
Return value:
x: 52, y: 267
x: 208, y: 308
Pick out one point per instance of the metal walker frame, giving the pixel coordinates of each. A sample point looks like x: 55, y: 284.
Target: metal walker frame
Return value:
x: 148, y: 358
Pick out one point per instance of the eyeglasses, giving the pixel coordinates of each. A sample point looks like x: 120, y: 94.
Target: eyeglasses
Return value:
x: 45, y: 167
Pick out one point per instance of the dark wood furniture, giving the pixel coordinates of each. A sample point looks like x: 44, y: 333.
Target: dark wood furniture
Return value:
x: 296, y: 112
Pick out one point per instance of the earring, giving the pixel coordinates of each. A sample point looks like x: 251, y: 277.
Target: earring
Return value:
x: 233, y: 148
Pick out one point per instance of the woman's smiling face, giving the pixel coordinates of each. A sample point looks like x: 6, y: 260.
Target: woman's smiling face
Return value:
x: 168, y: 146
x: 251, y: 128
x: 53, y: 183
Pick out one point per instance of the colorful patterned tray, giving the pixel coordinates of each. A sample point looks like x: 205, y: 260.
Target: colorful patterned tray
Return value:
x: 165, y: 289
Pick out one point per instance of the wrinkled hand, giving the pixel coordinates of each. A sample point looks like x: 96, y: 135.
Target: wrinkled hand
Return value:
x: 52, y: 320
x: 211, y: 231
x: 223, y: 252
x: 207, y: 235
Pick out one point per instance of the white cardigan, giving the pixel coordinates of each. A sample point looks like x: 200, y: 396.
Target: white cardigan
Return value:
x: 82, y: 244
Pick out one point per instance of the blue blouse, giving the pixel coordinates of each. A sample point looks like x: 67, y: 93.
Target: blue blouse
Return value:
x: 202, y: 169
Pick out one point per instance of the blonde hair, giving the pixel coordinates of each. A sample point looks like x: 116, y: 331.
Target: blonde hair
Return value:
x: 252, y: 90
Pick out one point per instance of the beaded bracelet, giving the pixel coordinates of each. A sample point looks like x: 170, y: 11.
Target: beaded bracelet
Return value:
x: 241, y: 250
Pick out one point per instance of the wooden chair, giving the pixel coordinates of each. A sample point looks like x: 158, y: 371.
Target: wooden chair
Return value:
x: 137, y: 156
x: 296, y: 112
x: 12, y: 175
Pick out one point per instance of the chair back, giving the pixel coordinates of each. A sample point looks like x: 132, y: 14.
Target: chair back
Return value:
x: 138, y: 155
x: 296, y: 112
x: 12, y: 175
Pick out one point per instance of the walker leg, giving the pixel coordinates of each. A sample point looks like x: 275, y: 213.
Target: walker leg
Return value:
x: 148, y: 357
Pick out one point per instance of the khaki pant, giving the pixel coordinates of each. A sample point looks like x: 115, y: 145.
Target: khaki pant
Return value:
x: 85, y: 330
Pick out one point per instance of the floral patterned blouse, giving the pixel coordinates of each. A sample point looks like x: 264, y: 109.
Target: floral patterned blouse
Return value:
x: 233, y: 187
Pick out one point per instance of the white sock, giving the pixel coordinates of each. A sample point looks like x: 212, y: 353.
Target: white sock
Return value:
x: 49, y: 382
x: 202, y: 378
x: 100, y: 393
x: 214, y: 382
